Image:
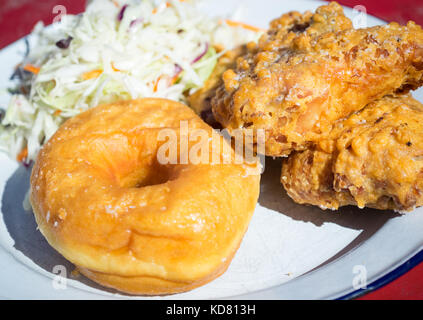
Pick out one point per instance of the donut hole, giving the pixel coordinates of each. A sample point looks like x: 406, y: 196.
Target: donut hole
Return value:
x: 143, y: 176
x: 126, y: 162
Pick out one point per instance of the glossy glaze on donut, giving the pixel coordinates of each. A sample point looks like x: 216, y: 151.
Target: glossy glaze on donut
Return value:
x: 102, y: 199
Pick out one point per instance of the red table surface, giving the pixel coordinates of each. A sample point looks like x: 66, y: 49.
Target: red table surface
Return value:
x: 17, y: 17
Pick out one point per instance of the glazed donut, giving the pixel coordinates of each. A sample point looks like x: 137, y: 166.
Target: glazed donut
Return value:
x: 104, y: 201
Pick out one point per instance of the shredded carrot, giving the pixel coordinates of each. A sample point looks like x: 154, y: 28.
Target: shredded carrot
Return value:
x: 116, y: 3
x: 57, y: 112
x: 233, y: 23
x: 22, y: 155
x: 114, y: 68
x: 173, y: 80
x: 156, y: 84
x: 31, y: 68
x: 92, y: 74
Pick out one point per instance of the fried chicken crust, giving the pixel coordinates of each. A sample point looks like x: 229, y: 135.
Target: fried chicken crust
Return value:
x: 313, y: 69
x: 372, y: 159
x: 200, y: 100
x: 293, y: 21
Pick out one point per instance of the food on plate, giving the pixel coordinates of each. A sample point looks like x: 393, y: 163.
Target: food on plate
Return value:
x: 313, y: 69
x: 103, y: 198
x: 200, y: 100
x: 374, y: 158
x: 115, y: 50
x: 137, y: 189
x: 292, y: 21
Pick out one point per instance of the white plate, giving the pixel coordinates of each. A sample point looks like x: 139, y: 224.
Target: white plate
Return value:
x: 289, y: 252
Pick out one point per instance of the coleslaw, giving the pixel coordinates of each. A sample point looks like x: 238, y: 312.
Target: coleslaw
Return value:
x: 113, y: 51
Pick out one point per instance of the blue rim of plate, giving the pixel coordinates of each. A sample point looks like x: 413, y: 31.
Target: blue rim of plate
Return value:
x: 386, y: 279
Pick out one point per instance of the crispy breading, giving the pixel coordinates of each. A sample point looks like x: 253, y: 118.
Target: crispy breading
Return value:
x: 200, y: 99
x: 313, y: 69
x: 293, y: 21
x: 374, y: 159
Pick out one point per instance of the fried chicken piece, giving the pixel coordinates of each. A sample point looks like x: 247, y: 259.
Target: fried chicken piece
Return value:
x: 313, y: 69
x: 292, y: 22
x: 200, y: 99
x: 374, y: 159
